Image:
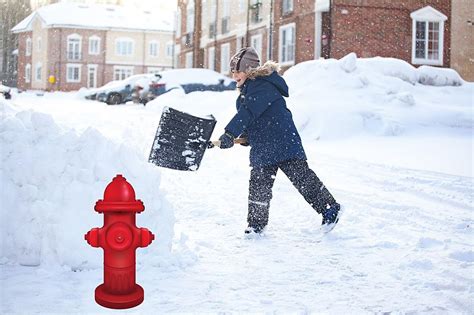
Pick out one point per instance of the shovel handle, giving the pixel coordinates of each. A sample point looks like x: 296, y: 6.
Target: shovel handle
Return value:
x: 217, y: 143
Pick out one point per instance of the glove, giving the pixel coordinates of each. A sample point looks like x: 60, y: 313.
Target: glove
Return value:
x: 227, y: 141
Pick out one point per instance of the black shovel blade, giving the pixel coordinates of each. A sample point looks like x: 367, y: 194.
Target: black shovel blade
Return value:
x: 181, y: 140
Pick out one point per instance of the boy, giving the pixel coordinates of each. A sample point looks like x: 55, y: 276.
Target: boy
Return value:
x: 267, y: 124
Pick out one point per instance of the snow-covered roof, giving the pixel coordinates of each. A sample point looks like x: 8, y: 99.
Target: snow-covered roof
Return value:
x: 77, y: 15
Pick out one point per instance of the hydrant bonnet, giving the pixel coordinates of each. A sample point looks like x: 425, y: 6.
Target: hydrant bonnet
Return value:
x: 119, y: 195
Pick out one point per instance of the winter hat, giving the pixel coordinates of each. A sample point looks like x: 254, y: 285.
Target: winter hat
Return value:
x: 244, y: 59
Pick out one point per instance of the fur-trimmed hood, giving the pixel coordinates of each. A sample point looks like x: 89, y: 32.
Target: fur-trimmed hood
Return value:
x: 269, y: 73
x: 264, y: 70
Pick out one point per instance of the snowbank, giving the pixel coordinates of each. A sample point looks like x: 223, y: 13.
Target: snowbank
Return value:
x: 51, y: 178
x: 375, y: 96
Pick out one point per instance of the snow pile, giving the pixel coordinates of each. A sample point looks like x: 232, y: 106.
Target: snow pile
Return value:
x: 438, y: 76
x: 51, y: 178
x: 376, y: 96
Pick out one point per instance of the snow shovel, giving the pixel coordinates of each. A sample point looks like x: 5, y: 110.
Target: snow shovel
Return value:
x: 181, y: 140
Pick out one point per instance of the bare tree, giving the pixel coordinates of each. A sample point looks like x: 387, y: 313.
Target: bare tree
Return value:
x: 11, y: 13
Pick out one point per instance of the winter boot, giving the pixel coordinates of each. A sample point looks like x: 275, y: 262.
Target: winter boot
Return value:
x: 331, y: 215
x: 256, y: 230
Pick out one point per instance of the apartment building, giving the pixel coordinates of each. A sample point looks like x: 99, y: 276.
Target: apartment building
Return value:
x: 67, y: 46
x: 291, y: 31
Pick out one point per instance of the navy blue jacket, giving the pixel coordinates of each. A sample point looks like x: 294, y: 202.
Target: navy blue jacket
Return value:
x: 263, y: 117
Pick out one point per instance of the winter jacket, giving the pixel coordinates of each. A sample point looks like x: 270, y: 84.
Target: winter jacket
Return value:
x: 263, y: 117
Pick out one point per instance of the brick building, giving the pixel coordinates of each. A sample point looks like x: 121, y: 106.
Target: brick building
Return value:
x: 66, y: 46
x: 291, y: 31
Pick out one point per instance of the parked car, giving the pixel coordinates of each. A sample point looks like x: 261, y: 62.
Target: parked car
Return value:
x: 134, y: 88
x: 190, y: 80
x: 5, y: 91
x: 142, y: 88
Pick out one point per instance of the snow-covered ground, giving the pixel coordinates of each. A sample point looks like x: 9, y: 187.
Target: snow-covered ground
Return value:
x: 395, y: 151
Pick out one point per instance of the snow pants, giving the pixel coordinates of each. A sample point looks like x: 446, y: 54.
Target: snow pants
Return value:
x: 302, y: 177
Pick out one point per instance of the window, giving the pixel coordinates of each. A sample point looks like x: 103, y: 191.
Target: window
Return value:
x: 189, y: 60
x: 28, y: 47
x: 153, y: 47
x: 74, y: 47
x: 121, y: 73
x: 427, y: 36
x: 94, y: 45
x: 73, y: 73
x: 38, y: 71
x: 190, y: 17
x: 225, y: 56
x: 287, y: 7
x: 178, y: 23
x: 124, y: 47
x: 256, y: 43
x: 28, y: 73
x: 225, y: 25
x: 255, y: 11
x: 169, y: 50
x: 287, y: 44
x: 211, y: 58
x: 38, y: 44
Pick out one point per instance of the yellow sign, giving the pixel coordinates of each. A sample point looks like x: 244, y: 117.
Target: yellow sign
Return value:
x: 52, y: 79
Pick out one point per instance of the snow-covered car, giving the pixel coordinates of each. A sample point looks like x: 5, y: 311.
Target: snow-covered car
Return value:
x: 5, y: 91
x: 190, y: 80
x: 133, y: 88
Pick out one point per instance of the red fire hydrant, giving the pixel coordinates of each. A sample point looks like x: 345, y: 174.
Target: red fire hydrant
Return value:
x: 119, y: 237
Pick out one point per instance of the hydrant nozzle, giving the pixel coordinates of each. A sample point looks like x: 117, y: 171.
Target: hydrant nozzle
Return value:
x: 119, y: 237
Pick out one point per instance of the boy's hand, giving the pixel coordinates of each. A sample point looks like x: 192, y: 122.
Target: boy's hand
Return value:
x: 227, y: 141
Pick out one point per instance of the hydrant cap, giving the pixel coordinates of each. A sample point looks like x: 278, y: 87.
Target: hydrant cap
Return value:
x: 119, y: 195
x: 119, y: 190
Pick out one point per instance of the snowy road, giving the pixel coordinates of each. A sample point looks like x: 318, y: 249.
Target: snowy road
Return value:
x: 404, y: 244
x: 405, y: 234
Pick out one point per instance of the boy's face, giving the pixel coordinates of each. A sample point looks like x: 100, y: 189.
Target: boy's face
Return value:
x: 239, y: 77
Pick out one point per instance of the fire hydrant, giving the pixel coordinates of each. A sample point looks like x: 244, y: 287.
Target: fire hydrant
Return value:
x: 119, y: 238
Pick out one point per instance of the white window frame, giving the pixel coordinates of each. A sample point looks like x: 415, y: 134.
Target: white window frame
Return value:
x: 189, y: 62
x: 73, y: 67
x: 124, y: 46
x: 256, y: 42
x: 38, y: 71
x: 283, y: 50
x: 38, y: 44
x: 153, y: 48
x: 96, y: 50
x: 225, y: 56
x: 211, y: 58
x: 94, y: 68
x: 74, y: 46
x: 178, y: 23
x: 28, y: 73
x: 190, y: 17
x: 287, y: 7
x: 122, y: 72
x: 428, y: 15
x: 28, y: 47
x: 169, y: 49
